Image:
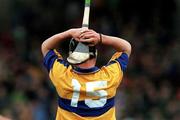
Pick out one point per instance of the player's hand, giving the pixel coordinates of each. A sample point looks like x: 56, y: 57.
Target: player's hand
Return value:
x: 76, y: 32
x: 90, y: 37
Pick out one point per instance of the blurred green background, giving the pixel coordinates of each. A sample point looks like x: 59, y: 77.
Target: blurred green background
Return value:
x: 150, y: 89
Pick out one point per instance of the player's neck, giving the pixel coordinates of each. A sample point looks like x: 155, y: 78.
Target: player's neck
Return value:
x: 88, y: 64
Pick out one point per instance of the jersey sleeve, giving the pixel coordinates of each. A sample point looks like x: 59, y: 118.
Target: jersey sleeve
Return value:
x: 50, y: 58
x: 116, y: 67
x: 121, y: 58
x: 55, y: 65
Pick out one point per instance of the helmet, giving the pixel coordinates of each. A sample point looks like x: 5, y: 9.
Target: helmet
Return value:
x: 79, y: 52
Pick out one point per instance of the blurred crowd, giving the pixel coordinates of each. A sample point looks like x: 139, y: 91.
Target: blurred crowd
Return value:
x: 150, y: 89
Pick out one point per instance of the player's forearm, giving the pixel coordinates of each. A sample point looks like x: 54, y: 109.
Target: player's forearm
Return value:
x: 119, y: 44
x: 53, y: 41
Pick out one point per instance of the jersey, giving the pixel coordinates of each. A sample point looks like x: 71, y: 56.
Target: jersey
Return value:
x: 85, y: 94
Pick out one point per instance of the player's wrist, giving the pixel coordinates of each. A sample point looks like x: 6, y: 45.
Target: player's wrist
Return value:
x: 70, y: 32
x: 100, y: 38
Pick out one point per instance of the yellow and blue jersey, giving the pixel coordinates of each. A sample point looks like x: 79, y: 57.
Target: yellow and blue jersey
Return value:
x: 85, y: 94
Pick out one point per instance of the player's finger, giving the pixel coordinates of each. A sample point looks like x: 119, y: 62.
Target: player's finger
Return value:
x: 77, y: 39
x: 84, y: 30
x: 88, y: 40
x: 87, y: 36
x: 83, y: 33
x: 87, y: 33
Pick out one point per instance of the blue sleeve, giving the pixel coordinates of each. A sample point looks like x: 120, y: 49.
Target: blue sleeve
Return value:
x: 123, y: 61
x: 49, y: 59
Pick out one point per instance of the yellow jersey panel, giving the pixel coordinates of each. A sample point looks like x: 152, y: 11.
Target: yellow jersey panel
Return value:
x: 64, y: 81
x: 85, y: 94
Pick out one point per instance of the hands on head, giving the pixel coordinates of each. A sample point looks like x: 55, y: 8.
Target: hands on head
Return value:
x: 86, y: 36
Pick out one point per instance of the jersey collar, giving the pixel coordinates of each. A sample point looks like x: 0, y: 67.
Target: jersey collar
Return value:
x: 85, y: 71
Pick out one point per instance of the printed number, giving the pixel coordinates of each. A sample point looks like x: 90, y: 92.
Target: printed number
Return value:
x: 76, y: 89
x: 102, y: 94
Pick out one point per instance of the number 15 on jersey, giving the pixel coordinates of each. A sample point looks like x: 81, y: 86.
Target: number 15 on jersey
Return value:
x: 90, y: 90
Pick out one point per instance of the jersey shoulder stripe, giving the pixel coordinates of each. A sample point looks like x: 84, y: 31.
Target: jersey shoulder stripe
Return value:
x: 83, y: 110
x: 121, y: 58
x: 49, y: 59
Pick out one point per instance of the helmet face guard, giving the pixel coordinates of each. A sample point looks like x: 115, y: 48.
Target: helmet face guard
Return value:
x: 72, y: 45
x: 93, y: 52
x: 79, y: 52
